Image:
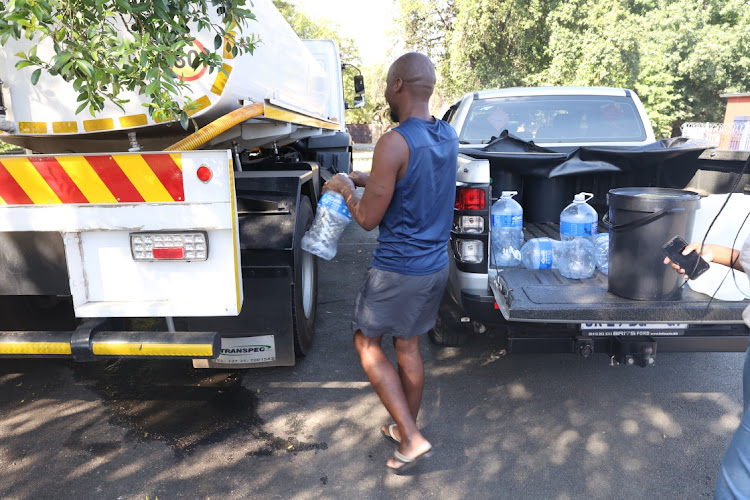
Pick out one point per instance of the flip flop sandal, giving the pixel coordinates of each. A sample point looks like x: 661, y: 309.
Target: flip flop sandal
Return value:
x: 408, y: 462
x: 389, y: 435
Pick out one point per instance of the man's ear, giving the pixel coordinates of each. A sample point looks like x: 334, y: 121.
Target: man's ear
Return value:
x: 398, y: 85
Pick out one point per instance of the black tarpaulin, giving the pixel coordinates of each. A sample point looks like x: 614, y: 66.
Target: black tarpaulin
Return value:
x: 526, y: 158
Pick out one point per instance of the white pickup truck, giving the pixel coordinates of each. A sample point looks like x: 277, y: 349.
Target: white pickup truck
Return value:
x: 548, y: 143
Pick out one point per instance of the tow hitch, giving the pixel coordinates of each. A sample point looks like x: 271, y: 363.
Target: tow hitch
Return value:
x: 632, y: 351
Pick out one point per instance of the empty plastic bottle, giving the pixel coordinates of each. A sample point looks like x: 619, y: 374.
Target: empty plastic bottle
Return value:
x: 601, y: 252
x: 507, y: 230
x: 541, y: 253
x: 330, y: 221
x: 578, y: 224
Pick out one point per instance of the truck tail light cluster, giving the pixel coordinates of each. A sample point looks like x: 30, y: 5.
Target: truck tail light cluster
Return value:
x: 470, y: 198
x: 186, y: 246
x: 470, y: 251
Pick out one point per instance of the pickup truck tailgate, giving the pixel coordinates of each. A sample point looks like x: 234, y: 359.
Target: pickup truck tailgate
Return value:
x: 546, y: 296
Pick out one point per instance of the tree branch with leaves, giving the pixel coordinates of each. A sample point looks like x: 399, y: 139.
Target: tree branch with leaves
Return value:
x: 106, y: 47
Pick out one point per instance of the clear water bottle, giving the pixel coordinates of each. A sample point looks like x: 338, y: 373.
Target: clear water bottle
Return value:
x: 330, y: 221
x: 541, y: 253
x: 578, y: 224
x: 601, y: 252
x: 507, y: 230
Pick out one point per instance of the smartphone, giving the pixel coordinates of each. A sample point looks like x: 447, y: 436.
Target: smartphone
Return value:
x: 692, y: 263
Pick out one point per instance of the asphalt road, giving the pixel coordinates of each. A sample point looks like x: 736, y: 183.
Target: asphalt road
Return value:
x: 531, y: 426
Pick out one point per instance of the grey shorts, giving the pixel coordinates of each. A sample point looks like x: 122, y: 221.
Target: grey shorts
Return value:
x: 398, y: 304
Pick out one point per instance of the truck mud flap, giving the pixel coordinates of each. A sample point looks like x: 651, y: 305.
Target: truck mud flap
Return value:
x: 267, y: 325
x: 91, y: 341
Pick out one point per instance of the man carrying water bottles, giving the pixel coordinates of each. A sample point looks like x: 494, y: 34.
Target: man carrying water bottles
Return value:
x: 409, y: 194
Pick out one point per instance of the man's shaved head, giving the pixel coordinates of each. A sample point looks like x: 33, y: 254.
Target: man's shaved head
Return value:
x: 417, y: 73
x: 409, y: 85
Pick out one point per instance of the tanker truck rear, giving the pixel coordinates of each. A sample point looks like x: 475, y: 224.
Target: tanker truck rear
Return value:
x: 121, y: 236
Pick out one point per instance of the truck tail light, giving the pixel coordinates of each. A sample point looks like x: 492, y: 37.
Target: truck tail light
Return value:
x: 470, y: 251
x: 471, y: 224
x: 470, y: 198
x: 169, y: 246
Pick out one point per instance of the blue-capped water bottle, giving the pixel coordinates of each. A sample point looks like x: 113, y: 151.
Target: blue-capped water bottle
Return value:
x: 507, y: 230
x: 578, y: 225
x: 601, y: 252
x: 330, y: 221
x: 541, y: 253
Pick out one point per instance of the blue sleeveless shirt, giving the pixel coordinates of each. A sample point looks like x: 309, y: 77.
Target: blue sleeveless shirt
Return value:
x: 415, y: 229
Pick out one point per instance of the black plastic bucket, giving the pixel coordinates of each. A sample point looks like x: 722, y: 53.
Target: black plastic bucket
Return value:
x: 641, y: 221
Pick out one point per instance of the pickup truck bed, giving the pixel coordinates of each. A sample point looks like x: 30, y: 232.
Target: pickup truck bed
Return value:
x: 546, y: 296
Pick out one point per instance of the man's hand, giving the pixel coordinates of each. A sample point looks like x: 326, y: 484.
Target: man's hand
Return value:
x: 339, y: 183
x: 359, y: 178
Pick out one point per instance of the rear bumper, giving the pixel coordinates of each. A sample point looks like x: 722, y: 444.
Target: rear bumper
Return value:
x: 92, y: 341
x: 481, y: 307
x: 540, y: 337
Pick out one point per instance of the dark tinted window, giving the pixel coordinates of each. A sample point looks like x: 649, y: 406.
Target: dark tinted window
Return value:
x: 554, y: 119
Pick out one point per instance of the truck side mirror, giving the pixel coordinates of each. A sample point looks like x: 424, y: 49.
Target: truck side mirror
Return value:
x: 359, y: 101
x: 359, y: 86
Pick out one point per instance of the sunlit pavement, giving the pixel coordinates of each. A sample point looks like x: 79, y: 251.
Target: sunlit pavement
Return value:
x: 532, y: 426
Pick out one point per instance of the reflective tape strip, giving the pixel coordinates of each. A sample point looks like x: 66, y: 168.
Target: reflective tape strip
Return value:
x: 91, y: 185
x: 200, y: 103
x: 229, y: 44
x: 141, y: 349
x: 32, y: 127
x: 142, y: 177
x: 10, y: 190
x: 64, y: 127
x: 133, y: 121
x: 32, y: 182
x: 235, y: 242
x: 284, y: 115
x: 124, y: 178
x: 58, y: 180
x: 98, y: 125
x: 61, y: 348
x: 221, y: 79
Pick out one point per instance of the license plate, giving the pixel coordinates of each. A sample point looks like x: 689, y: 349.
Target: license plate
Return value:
x: 633, y: 329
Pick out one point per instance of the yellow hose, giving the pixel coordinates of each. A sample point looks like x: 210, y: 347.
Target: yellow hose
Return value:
x: 216, y: 127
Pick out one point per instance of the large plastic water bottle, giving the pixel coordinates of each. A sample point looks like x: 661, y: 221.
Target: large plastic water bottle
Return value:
x: 578, y: 224
x: 330, y: 221
x: 601, y: 252
x: 507, y: 230
x: 541, y: 253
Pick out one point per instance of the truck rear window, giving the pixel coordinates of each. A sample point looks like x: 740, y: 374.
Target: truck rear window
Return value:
x: 550, y: 119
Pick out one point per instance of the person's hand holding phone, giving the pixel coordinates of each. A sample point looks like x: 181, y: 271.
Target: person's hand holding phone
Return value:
x: 679, y: 255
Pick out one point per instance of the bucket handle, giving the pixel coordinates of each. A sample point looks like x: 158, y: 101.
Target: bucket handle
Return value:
x: 633, y: 224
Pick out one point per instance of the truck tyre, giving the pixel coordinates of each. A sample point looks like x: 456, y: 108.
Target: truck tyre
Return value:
x: 449, y: 331
x: 439, y: 336
x: 305, y: 286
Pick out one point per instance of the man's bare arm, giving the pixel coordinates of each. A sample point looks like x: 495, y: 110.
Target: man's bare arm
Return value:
x: 390, y: 158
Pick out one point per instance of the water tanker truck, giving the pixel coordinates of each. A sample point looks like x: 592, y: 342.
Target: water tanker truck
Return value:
x: 123, y: 236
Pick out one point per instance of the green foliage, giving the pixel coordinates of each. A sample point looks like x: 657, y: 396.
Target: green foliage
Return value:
x: 678, y: 55
x: 5, y: 147
x: 104, y: 47
x: 375, y: 109
x: 320, y: 28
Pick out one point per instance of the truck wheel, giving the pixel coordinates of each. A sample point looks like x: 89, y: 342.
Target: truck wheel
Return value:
x: 449, y: 331
x: 305, y: 287
x: 439, y: 336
